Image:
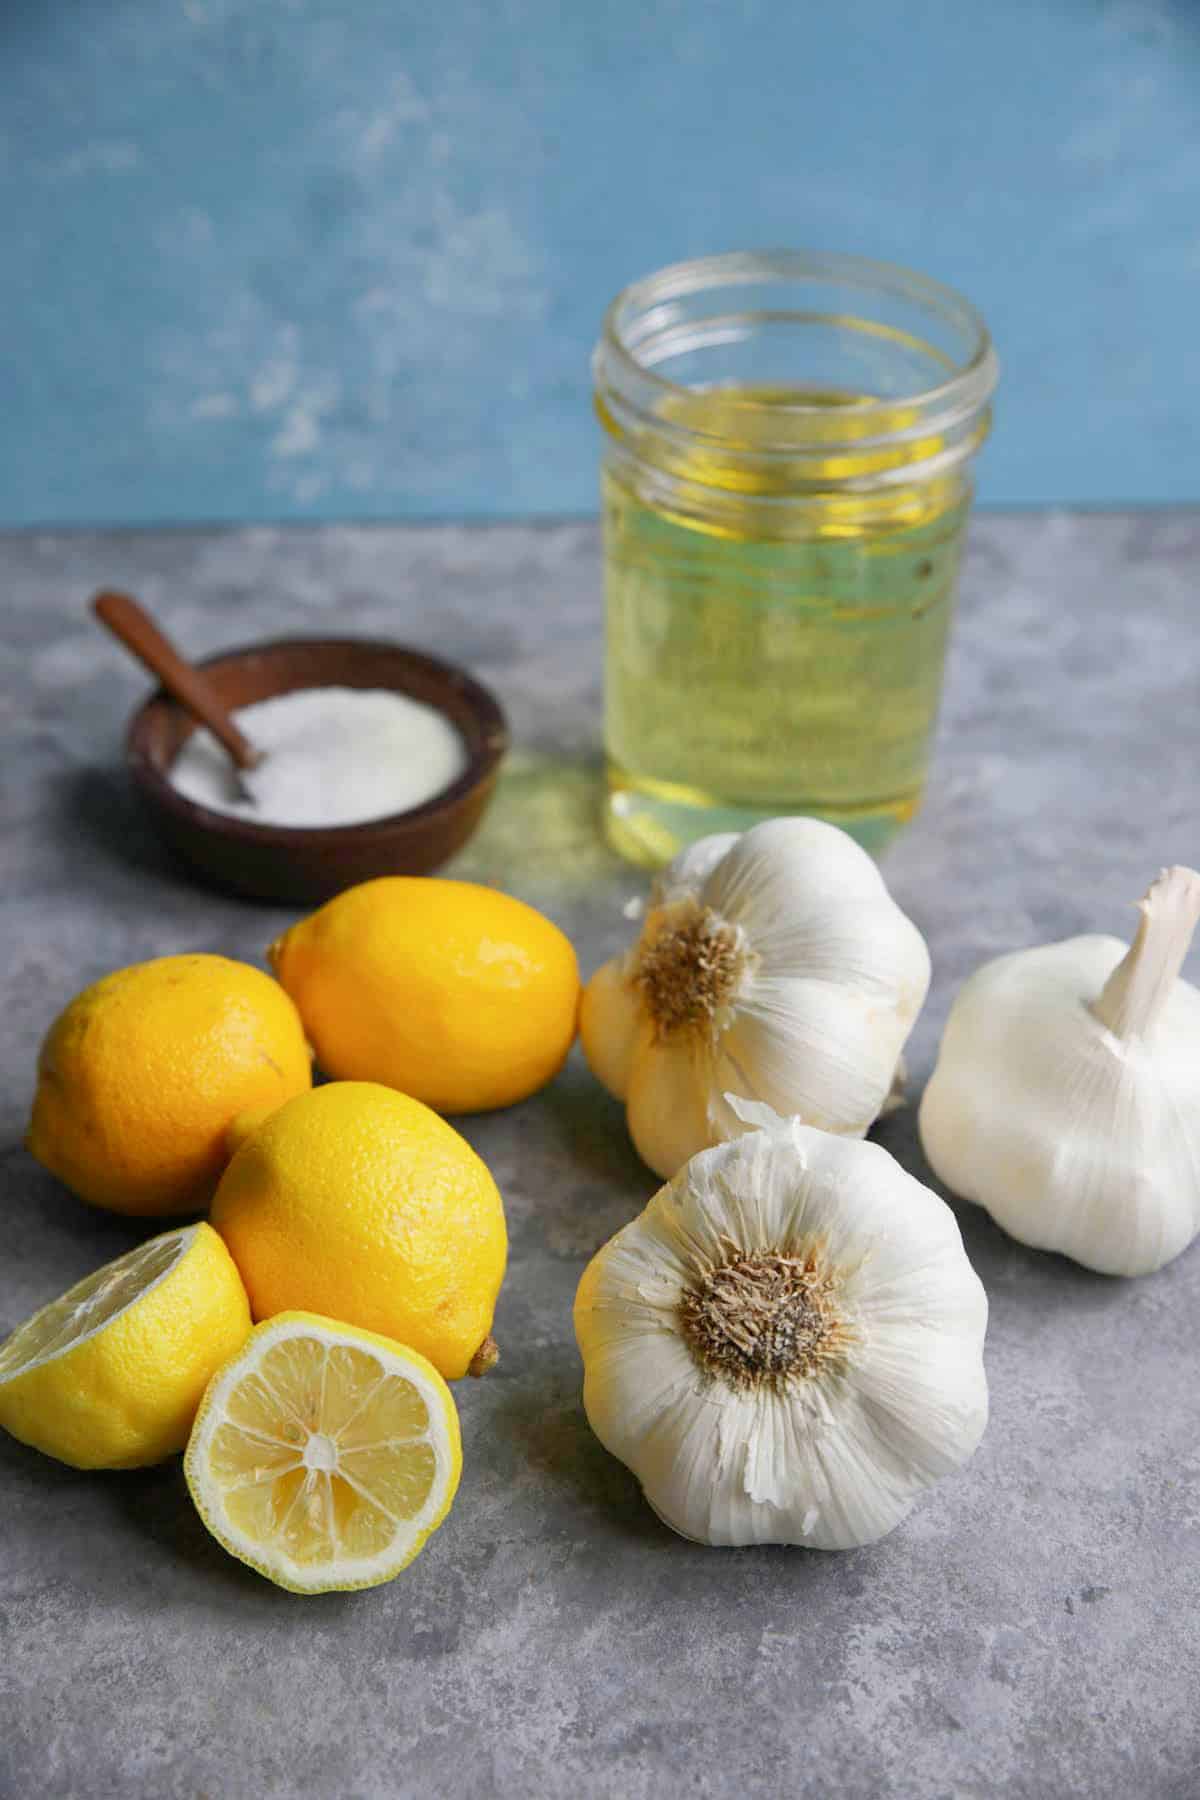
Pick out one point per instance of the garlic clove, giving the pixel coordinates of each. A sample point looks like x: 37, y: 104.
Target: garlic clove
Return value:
x: 608, y: 1025
x: 665, y: 1110
x: 861, y: 945
x: 808, y: 1048
x: 687, y: 872
x: 867, y: 1486
x: 789, y: 1475
x: 786, y: 875
x: 1116, y: 1203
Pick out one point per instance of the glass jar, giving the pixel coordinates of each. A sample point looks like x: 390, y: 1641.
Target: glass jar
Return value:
x: 786, y: 479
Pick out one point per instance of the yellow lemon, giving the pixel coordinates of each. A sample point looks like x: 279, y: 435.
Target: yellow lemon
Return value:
x: 140, y: 1076
x: 362, y: 1204
x: 110, y: 1376
x: 459, y: 995
x: 324, y: 1456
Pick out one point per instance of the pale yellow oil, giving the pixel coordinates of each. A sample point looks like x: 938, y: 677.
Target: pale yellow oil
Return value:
x: 776, y: 652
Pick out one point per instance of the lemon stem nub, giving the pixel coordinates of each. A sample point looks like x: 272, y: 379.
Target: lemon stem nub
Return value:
x: 485, y: 1358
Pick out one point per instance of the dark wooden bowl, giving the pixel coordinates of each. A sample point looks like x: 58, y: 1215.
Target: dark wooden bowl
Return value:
x: 307, y: 863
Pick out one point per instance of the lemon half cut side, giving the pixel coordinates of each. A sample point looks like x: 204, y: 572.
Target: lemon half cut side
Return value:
x: 324, y: 1456
x: 109, y: 1376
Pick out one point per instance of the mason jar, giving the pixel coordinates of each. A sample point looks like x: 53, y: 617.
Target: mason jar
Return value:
x: 786, y: 480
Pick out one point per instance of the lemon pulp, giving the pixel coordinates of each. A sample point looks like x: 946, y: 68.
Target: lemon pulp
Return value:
x: 92, y: 1303
x: 324, y: 1456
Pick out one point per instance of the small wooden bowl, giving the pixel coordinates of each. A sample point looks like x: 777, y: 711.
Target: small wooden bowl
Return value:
x: 306, y: 863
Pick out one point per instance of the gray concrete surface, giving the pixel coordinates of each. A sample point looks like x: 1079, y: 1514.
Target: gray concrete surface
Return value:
x: 1033, y: 1631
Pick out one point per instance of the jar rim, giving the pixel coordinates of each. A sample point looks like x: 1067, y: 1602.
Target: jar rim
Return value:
x: 966, y: 389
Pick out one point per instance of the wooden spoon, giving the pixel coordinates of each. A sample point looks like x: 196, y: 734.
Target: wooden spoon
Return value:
x: 134, y: 627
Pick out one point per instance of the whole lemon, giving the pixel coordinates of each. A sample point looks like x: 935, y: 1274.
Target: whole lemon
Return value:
x: 110, y: 1376
x: 361, y: 1204
x: 140, y: 1076
x: 456, y: 994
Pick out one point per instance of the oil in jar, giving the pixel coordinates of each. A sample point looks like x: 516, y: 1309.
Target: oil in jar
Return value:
x: 776, y: 649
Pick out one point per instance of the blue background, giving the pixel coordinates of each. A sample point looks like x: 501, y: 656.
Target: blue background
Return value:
x: 329, y: 258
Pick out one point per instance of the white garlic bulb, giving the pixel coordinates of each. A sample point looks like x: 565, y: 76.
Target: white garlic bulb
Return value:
x: 1066, y: 1097
x: 775, y: 966
x: 787, y: 1345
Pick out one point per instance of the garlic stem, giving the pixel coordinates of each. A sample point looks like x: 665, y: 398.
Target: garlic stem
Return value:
x: 1136, y: 991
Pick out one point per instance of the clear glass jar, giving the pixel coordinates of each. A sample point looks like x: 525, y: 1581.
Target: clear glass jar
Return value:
x: 786, y: 480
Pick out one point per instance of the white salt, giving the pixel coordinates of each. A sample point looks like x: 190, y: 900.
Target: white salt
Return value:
x: 334, y: 756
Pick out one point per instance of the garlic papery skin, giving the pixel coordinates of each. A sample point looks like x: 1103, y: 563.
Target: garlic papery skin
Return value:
x: 786, y: 1347
x: 773, y: 965
x: 1066, y: 1096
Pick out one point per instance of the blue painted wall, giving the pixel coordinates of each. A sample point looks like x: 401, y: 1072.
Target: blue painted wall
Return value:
x: 320, y: 258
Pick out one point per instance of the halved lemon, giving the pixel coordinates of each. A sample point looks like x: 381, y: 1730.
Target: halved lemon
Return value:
x: 323, y: 1455
x: 110, y: 1375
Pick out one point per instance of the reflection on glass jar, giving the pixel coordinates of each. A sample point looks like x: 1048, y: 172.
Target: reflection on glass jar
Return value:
x: 786, y: 479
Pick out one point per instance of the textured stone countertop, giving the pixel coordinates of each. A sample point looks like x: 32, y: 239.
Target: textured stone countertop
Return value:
x: 1032, y: 1631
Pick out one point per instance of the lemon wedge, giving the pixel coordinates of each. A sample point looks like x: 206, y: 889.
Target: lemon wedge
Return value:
x: 110, y: 1375
x: 324, y: 1456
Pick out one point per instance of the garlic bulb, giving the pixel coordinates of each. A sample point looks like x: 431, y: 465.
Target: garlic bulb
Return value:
x: 774, y: 966
x: 1066, y: 1097
x: 787, y: 1345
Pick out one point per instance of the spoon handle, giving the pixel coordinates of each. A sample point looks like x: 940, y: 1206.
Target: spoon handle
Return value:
x: 190, y: 686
